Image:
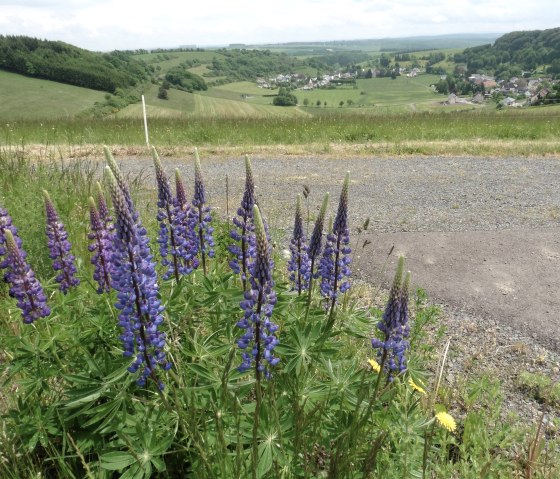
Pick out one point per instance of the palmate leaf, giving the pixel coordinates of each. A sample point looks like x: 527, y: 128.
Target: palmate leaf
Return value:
x: 116, y: 461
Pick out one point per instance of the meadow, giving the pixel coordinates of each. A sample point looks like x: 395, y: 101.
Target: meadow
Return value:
x: 349, y: 395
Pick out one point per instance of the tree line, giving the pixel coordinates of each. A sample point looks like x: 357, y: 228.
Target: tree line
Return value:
x: 515, y: 52
x: 64, y: 63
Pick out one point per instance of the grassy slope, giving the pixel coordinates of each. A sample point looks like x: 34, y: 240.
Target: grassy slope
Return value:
x: 226, y: 104
x: 32, y: 98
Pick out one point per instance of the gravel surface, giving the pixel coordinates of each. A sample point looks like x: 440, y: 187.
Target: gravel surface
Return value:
x: 481, y: 236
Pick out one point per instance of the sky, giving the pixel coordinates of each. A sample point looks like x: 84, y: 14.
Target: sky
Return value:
x: 104, y: 25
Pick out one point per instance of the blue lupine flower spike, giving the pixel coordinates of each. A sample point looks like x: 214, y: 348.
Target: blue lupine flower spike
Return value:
x: 334, y: 269
x: 184, y: 227
x: 59, y: 248
x: 259, y: 300
x: 6, y: 224
x: 394, y: 328
x: 24, y: 286
x: 299, y: 264
x: 134, y: 277
x: 243, y: 233
x: 201, y: 213
x: 101, y: 247
x: 167, y: 236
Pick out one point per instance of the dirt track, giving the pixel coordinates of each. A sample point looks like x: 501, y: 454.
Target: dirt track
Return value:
x: 479, y: 234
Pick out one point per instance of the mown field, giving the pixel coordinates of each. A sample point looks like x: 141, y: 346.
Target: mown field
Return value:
x: 31, y: 98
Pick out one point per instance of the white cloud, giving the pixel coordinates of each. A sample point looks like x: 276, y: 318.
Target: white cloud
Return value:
x: 112, y: 24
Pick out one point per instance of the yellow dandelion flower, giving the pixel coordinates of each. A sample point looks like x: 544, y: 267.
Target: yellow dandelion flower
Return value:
x: 446, y: 420
x: 415, y: 386
x: 374, y: 365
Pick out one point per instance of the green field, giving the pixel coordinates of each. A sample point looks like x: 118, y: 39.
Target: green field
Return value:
x: 31, y: 98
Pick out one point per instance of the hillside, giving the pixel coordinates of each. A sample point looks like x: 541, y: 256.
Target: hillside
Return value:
x: 515, y: 52
x: 40, y: 99
x: 64, y: 63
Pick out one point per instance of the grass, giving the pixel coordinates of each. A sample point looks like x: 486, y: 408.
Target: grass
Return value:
x: 225, y: 124
x: 32, y: 98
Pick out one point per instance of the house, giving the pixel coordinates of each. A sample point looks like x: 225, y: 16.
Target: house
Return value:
x: 478, y: 98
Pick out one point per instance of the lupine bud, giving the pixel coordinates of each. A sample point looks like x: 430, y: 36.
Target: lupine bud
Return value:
x: 59, y: 248
x: 394, y: 325
x: 24, y: 287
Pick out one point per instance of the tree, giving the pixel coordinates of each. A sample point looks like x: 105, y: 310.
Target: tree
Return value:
x: 284, y: 98
x: 162, y: 93
x: 341, y: 103
x: 306, y: 101
x: 318, y: 103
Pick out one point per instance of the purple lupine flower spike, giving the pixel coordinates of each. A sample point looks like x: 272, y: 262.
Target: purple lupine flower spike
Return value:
x: 334, y: 269
x: 167, y: 237
x: 24, y: 286
x: 259, y: 339
x: 6, y: 224
x: 101, y: 247
x: 134, y: 277
x: 59, y: 248
x: 201, y: 214
x: 185, y: 228
x: 244, y: 234
x: 299, y: 264
x: 394, y: 326
x: 315, y: 242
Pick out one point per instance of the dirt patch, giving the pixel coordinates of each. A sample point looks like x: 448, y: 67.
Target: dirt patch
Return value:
x: 511, y: 276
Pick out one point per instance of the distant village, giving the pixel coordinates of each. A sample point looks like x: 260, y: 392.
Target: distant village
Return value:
x: 516, y: 92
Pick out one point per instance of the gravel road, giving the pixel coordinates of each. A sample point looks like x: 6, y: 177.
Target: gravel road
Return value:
x: 481, y: 236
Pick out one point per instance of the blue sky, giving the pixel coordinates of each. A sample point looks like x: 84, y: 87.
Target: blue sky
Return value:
x: 128, y: 24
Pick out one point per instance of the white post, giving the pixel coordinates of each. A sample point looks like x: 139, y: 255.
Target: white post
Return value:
x: 145, y: 121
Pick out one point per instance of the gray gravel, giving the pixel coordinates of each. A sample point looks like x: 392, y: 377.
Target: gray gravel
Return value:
x: 399, y: 194
x: 406, y: 197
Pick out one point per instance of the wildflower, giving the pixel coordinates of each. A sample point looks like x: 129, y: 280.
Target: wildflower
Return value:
x: 6, y: 224
x: 59, y: 248
x: 244, y: 234
x: 415, y: 386
x: 446, y: 421
x: 299, y: 264
x: 258, y: 304
x: 394, y: 326
x: 101, y: 246
x: 23, y: 285
x: 167, y: 237
x: 134, y: 277
x: 317, y: 235
x: 200, y: 214
x: 184, y: 228
x: 374, y: 365
x: 334, y: 263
